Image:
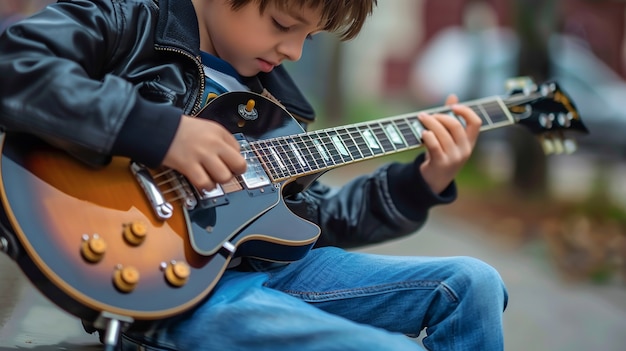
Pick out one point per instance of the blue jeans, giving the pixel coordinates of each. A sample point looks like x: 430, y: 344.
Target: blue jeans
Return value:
x: 338, y: 300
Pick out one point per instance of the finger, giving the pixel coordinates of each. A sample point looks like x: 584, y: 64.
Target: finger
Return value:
x: 223, y: 134
x: 472, y: 121
x: 451, y: 100
x: 199, y: 178
x: 232, y: 142
x: 217, y: 170
x: 433, y: 147
x: 231, y: 155
x: 233, y: 159
x: 439, y: 130
x: 460, y: 140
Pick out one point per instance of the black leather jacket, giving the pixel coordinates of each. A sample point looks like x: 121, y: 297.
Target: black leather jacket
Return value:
x: 101, y: 77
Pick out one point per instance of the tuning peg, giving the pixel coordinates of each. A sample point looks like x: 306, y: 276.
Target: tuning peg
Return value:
x: 548, y: 89
x: 565, y: 119
x: 523, y: 83
x: 546, y: 120
x: 570, y: 146
x: 559, y: 148
x: 547, y: 145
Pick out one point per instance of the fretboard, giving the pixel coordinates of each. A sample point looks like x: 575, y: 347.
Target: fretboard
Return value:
x: 312, y: 152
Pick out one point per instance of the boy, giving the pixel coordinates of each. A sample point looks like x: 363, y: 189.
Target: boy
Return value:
x: 102, y: 77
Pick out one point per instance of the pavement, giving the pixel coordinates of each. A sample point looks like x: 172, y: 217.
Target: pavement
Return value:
x: 544, y: 313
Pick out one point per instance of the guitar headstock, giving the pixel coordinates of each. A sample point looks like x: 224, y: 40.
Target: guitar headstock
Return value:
x: 547, y: 112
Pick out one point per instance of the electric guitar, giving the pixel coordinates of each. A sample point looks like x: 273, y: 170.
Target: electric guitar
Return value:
x: 143, y: 244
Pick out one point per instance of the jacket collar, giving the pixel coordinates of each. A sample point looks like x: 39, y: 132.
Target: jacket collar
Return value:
x: 177, y: 26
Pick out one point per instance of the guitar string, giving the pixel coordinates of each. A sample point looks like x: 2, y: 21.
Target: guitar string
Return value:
x: 304, y: 142
x: 350, y: 137
x: 315, y: 159
x: 176, y: 184
x: 347, y: 137
x: 482, y: 109
x: 485, y: 111
x: 347, y: 134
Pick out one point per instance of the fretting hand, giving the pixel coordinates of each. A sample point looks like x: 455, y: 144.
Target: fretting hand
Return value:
x: 448, y: 143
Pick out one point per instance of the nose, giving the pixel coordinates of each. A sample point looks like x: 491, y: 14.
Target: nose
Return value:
x: 291, y: 48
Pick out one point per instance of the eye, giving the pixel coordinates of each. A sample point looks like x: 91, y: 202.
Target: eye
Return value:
x: 279, y: 26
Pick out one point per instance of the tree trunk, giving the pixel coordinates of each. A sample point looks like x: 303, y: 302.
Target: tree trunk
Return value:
x: 534, y: 20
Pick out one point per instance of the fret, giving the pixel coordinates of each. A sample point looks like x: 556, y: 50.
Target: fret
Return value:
x: 493, y: 112
x: 336, y: 141
x: 301, y: 164
x: 311, y: 152
x: 288, y: 156
x: 350, y: 143
x: 271, y: 160
x: 370, y: 140
x: 406, y: 132
x: 496, y: 113
x: 277, y: 154
x: 483, y: 114
x: 417, y: 127
x: 383, y: 138
x: 321, y: 149
x: 395, y: 136
x: 329, y: 145
x: 360, y: 142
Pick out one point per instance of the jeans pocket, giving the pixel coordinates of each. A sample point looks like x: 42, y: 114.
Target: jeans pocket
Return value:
x: 141, y: 343
x: 267, y: 267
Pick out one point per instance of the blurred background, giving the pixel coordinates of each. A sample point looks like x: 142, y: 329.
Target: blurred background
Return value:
x: 413, y: 53
x: 565, y: 213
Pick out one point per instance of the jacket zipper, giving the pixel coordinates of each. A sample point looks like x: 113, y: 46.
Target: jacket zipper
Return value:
x: 196, y: 60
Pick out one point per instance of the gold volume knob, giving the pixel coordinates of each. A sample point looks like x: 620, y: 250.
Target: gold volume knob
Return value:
x: 126, y: 278
x: 177, y: 273
x: 93, y: 248
x: 135, y: 232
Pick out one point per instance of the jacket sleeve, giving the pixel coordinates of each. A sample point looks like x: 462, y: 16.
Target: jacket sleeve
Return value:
x: 390, y: 203
x: 58, y: 81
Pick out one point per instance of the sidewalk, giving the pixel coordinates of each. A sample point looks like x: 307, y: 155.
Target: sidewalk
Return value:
x: 544, y: 314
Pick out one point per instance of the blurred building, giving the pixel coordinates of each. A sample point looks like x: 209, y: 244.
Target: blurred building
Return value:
x: 401, y: 35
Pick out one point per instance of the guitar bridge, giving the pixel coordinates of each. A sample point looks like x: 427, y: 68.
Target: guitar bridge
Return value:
x: 162, y: 208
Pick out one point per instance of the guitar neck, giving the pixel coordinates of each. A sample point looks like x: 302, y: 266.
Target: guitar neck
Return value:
x: 312, y: 152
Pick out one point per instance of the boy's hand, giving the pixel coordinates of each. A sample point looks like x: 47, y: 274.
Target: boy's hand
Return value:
x: 448, y: 144
x: 204, y: 152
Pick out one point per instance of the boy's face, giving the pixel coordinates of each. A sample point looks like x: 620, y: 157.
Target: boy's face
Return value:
x: 253, y: 42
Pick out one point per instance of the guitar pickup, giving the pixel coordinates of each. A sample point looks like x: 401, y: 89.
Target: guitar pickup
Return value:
x: 255, y: 176
x: 209, y: 194
x: 210, y: 198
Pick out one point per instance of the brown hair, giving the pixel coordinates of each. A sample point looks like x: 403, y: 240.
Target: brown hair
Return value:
x: 344, y: 17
